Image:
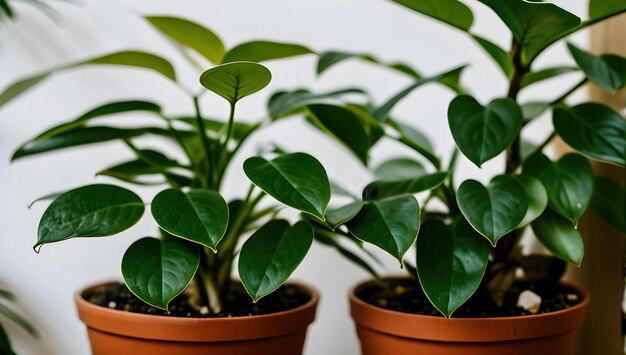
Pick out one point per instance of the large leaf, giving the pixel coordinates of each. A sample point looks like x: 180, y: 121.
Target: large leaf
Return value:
x: 499, y: 55
x: 601, y: 9
x: 482, y: 132
x: 559, y: 236
x: 259, y: 51
x: 607, y: 71
x: 297, y: 180
x: 190, y: 35
x: 391, y: 224
x: 451, y: 262
x: 569, y: 182
x: 234, y: 81
x: 330, y: 58
x: 535, y: 25
x: 537, y: 198
x: 494, y: 210
x: 608, y: 202
x: 156, y: 270
x: 396, y: 169
x: 287, y: 102
x: 594, y: 130
x: 272, y: 254
x: 452, y: 12
x: 544, y: 74
x: 387, y: 188
x: 199, y: 215
x: 89, y: 211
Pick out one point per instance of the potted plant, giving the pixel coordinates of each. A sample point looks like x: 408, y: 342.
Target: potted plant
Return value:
x: 469, y: 261
x: 178, y: 295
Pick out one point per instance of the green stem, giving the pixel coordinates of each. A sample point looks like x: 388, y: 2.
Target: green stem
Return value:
x: 205, y: 143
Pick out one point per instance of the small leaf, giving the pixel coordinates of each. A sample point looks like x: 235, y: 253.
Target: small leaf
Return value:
x: 156, y: 270
x: 89, y: 211
x: 451, y: 262
x: 391, y: 224
x: 330, y: 58
x: 385, y: 188
x: 607, y: 71
x: 608, y: 202
x: 559, y: 236
x: 452, y: 12
x: 272, y: 254
x: 338, y: 216
x: 499, y: 55
x: 412, y: 134
x: 297, y: 180
x: 285, y: 103
x: 234, y: 81
x: 19, y: 321
x: 259, y: 51
x: 494, y: 210
x: 594, y: 130
x: 200, y: 216
x: 537, y: 198
x: 534, y: 109
x: 569, y: 182
x: 544, y: 74
x: 396, y: 169
x: 482, y: 132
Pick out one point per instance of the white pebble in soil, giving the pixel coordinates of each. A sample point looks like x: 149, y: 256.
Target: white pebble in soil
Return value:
x: 529, y: 301
x: 112, y: 304
x: 204, y: 310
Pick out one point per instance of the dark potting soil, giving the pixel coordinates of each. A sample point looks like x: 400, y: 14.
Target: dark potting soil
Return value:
x: 406, y: 295
x: 238, y: 303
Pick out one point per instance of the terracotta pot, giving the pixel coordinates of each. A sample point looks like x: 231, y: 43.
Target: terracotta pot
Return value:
x: 114, y: 332
x: 383, y: 332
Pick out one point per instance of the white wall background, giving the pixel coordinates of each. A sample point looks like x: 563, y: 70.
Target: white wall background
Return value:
x: 46, y: 282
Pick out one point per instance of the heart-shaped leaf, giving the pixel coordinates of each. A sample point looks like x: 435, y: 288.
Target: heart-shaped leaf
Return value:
x: 559, y: 236
x: 381, y: 189
x: 537, y: 198
x: 297, y: 180
x: 607, y: 71
x: 451, y: 262
x: 608, y: 202
x: 234, y: 81
x: 391, y: 224
x: 200, y: 216
x: 494, y: 210
x: 569, y: 182
x: 272, y: 254
x: 89, y: 211
x: 594, y: 130
x: 396, y: 169
x: 452, y: 12
x: 156, y: 270
x: 482, y: 132
x: 338, y: 216
x: 259, y: 51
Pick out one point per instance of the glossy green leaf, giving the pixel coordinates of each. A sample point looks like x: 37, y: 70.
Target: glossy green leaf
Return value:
x: 482, y: 132
x: 338, y: 216
x: 594, y: 130
x: 331, y: 58
x: 89, y: 211
x: 297, y: 180
x: 5, y: 342
x: 608, y: 202
x: 385, y: 188
x: 559, y: 236
x: 199, y: 215
x: 396, y: 169
x: 259, y: 51
x: 391, y: 224
x: 190, y: 35
x: 601, y: 9
x: 569, y: 182
x: 499, y: 55
x: 451, y: 262
x: 607, y: 71
x: 287, y: 102
x: 535, y: 25
x: 156, y: 270
x: 537, y: 198
x: 494, y: 210
x: 452, y: 12
x: 234, y: 81
x: 545, y: 74
x: 271, y: 255
x: 151, y: 162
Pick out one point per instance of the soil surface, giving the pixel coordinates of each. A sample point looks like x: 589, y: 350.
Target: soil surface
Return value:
x: 406, y: 295
x: 238, y: 302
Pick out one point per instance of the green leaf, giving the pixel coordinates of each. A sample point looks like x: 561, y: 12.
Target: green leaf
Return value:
x: 271, y: 255
x: 18, y: 320
x: 452, y: 12
x: 537, y: 198
x: 297, y: 180
x: 499, y: 55
x: 391, y: 224
x: 559, y: 236
x: 150, y: 162
x: 259, y: 51
x: 451, y: 262
x: 89, y: 211
x: 234, y: 81
x: 544, y: 74
x: 4, y: 7
x: 156, y: 270
x: 607, y: 71
x: 285, y: 103
x: 330, y: 58
x: 385, y: 188
x: 200, y: 216
x: 190, y: 35
x: 569, y: 182
x: 534, y: 109
x: 396, y: 169
x: 330, y: 239
x: 494, y: 210
x: 345, y: 126
x: 482, y: 132
x: 594, y: 130
x: 338, y: 216
x: 608, y: 202
x: 412, y: 134
x: 535, y: 25
x: 601, y: 9
x: 5, y: 342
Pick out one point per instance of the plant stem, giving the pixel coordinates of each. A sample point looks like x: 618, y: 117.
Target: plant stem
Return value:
x: 205, y: 143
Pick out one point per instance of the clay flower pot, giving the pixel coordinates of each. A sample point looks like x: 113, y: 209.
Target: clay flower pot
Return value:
x: 117, y: 332
x: 382, y: 331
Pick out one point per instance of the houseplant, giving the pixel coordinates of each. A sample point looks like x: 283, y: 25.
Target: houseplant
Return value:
x: 469, y: 259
